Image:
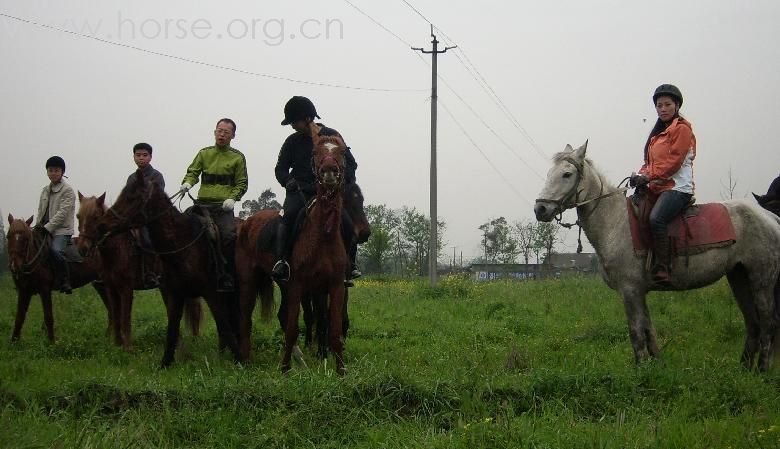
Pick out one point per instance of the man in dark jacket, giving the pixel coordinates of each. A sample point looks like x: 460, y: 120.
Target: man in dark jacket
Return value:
x: 294, y: 172
x: 142, y: 156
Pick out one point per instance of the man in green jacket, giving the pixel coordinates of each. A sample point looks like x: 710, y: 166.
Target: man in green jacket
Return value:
x: 222, y: 172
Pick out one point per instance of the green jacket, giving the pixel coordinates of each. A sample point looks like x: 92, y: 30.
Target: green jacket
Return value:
x: 223, y: 172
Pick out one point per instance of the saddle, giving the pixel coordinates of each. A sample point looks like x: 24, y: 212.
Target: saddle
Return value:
x: 265, y: 240
x: 698, y: 228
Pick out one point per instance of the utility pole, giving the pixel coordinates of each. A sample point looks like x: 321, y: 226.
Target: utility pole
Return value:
x: 433, y: 251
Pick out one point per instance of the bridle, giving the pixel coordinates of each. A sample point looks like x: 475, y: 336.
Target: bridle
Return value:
x: 27, y: 268
x: 571, y: 199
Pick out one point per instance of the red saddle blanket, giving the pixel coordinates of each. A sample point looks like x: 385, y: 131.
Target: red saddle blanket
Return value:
x: 706, y: 225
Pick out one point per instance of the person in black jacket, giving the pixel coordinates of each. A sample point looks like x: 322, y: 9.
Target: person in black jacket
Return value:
x: 294, y: 172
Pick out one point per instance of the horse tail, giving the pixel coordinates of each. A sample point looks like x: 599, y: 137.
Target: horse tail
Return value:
x: 266, y: 292
x: 193, y: 315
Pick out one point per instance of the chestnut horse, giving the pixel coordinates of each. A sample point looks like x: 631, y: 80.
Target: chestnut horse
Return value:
x: 751, y: 264
x: 181, y: 241
x: 120, y: 270
x: 254, y: 266
x: 28, y: 261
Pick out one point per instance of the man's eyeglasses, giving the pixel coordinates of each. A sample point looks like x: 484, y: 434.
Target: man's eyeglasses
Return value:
x: 223, y: 131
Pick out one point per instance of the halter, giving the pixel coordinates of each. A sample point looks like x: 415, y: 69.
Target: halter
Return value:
x: 27, y: 268
x: 570, y: 199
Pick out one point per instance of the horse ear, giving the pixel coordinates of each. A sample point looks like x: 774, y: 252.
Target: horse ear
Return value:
x: 568, y: 148
x: 29, y: 220
x: 758, y: 198
x: 10, y: 219
x: 81, y: 197
x: 101, y: 199
x: 579, y: 153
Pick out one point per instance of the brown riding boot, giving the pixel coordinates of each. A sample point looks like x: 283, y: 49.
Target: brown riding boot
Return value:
x: 661, y: 270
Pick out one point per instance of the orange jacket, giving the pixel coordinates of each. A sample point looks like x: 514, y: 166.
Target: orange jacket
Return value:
x: 666, y: 163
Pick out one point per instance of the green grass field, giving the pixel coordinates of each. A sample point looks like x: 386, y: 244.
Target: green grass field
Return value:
x: 543, y: 364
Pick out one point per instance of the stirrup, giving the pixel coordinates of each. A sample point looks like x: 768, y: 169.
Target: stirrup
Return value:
x: 281, y: 270
x: 355, y: 273
x: 348, y: 283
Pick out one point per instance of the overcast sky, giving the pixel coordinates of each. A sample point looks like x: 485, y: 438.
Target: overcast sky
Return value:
x: 527, y: 78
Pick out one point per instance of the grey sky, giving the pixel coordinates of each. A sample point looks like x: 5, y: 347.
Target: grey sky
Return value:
x: 567, y: 71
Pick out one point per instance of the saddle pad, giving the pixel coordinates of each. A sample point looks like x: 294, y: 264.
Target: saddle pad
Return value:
x: 707, y: 225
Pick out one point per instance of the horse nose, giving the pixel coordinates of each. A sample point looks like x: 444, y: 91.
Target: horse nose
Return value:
x: 540, y: 211
x: 363, y: 235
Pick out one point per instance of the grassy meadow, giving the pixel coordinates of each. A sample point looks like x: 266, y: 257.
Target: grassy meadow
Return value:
x: 541, y: 364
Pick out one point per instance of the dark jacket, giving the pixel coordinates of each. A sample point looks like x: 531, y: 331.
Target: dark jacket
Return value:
x: 295, y: 160
x: 150, y: 175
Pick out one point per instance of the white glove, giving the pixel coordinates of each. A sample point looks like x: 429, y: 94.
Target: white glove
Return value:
x: 185, y: 187
x: 228, y: 204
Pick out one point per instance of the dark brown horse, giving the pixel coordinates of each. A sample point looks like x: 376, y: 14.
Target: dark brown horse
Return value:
x: 254, y: 264
x: 318, y: 261
x: 28, y: 261
x: 182, y: 242
x: 120, y: 269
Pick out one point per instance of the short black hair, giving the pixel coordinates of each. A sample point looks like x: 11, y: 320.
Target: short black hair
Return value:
x: 142, y: 146
x: 227, y: 120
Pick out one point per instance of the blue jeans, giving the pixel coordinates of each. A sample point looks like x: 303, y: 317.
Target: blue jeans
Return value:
x: 58, y: 244
x: 669, y: 204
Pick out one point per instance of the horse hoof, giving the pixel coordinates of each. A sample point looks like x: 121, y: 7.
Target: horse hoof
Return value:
x: 298, y: 357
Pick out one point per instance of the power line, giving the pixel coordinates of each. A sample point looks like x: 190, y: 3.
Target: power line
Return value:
x: 202, y: 63
x: 474, y: 143
x: 379, y: 24
x: 452, y: 89
x: 488, y: 89
x: 418, y: 12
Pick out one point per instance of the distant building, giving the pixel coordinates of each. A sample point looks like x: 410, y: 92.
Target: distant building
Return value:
x: 580, y: 262
x: 556, y: 266
x: 491, y: 271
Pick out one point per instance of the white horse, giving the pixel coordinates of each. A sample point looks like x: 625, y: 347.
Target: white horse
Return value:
x: 752, y: 264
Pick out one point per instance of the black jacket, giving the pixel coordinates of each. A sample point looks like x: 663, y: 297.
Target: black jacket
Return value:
x: 295, y: 160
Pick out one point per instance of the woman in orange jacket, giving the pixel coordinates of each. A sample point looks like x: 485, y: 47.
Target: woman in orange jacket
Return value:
x: 667, y: 174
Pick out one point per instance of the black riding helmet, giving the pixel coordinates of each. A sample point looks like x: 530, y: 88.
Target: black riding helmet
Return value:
x: 55, y: 161
x: 298, y: 108
x: 669, y: 90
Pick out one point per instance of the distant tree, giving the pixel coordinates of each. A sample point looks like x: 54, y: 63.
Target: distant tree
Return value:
x: 266, y: 200
x: 545, y: 238
x: 376, y: 252
x: 415, y: 230
x: 498, y: 242
x: 524, y: 232
x: 727, y: 192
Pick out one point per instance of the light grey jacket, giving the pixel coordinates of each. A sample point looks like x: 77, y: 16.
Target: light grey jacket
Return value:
x: 61, y: 201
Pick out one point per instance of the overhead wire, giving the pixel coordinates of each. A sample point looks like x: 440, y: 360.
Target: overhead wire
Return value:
x: 203, y: 63
x: 479, y: 149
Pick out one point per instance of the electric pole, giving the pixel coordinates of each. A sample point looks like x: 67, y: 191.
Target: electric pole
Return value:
x: 433, y: 250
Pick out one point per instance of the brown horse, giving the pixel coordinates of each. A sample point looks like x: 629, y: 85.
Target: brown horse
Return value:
x: 254, y: 264
x: 28, y: 261
x: 121, y: 269
x: 181, y: 241
x: 318, y: 261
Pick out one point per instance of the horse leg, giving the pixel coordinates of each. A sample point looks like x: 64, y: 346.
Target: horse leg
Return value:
x: 294, y: 294
x: 116, y: 313
x: 101, y: 291
x: 345, y: 314
x: 336, y: 308
x: 309, y: 320
x: 223, y: 309
x: 638, y: 317
x: 323, y: 324
x: 126, y: 293
x: 740, y: 287
x: 48, y: 314
x: 175, y: 309
x: 765, y: 305
x: 247, y: 300
x: 22, y: 304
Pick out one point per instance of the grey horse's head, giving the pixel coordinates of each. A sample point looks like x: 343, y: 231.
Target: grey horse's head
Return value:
x: 563, y: 179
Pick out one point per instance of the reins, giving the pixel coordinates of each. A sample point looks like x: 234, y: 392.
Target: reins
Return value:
x: 27, y: 268
x: 561, y: 205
